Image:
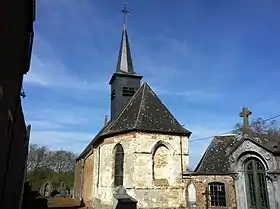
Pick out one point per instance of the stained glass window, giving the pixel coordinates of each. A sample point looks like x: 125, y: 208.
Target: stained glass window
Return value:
x: 118, y: 170
x: 257, y: 195
x: 217, y: 194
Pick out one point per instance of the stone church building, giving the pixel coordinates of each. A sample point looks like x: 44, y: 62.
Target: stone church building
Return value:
x: 145, y: 150
x: 142, y: 148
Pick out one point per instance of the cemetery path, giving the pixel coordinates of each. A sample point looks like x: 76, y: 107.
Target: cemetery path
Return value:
x: 63, y: 203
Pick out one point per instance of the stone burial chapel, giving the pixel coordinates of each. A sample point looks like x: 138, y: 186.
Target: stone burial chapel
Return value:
x: 144, y: 151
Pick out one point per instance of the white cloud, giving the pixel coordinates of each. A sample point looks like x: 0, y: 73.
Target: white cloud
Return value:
x: 71, y: 141
x: 51, y: 72
x: 42, y: 124
x: 197, y: 148
x: 190, y: 95
x: 62, y: 116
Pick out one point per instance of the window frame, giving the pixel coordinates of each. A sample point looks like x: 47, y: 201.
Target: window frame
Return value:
x: 118, y: 165
x: 254, y: 173
x: 217, y: 202
x: 128, y: 91
x: 113, y: 94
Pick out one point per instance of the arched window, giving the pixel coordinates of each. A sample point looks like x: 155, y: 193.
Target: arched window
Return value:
x: 256, y: 187
x: 160, y: 167
x: 118, y: 166
x: 217, y: 194
x: 191, y: 195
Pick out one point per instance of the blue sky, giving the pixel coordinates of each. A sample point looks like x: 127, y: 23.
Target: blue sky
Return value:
x: 204, y: 60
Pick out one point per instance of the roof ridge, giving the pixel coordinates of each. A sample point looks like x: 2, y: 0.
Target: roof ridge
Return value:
x: 139, y: 110
x: 126, y: 106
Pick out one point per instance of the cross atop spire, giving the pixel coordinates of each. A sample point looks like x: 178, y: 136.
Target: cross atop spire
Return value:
x: 124, y: 64
x: 245, y: 113
x: 124, y: 11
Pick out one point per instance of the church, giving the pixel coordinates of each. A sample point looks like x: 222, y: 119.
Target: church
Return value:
x: 144, y: 149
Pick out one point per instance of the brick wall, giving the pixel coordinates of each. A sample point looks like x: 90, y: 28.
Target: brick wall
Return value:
x: 201, y: 182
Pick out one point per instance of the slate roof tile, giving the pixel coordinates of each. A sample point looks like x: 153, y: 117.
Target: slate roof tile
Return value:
x: 215, y: 159
x: 144, y: 112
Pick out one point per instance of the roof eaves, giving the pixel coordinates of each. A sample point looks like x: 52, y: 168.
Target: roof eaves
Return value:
x: 207, y: 173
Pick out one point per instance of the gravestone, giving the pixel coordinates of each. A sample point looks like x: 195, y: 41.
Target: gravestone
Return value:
x: 62, y: 190
x: 72, y: 193
x: 191, y: 195
x: 122, y: 200
x: 46, y: 189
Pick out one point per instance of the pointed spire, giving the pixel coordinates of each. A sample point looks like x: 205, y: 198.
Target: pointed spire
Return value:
x: 125, y: 60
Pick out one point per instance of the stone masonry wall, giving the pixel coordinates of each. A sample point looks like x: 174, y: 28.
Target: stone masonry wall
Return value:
x: 152, y: 169
x: 201, y: 182
x: 77, y: 180
x: 88, y: 179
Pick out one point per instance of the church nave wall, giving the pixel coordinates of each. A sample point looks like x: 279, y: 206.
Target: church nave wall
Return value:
x: 151, y: 167
x: 159, y: 197
x: 157, y: 160
x: 88, y: 179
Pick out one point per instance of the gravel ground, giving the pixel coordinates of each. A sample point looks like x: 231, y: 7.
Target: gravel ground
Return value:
x: 63, y: 203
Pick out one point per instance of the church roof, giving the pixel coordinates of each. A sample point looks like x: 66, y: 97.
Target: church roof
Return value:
x: 215, y: 159
x: 144, y: 112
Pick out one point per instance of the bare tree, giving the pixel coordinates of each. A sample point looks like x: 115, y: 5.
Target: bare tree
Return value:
x: 262, y: 129
x: 46, y: 165
x: 62, y: 161
x: 37, y: 157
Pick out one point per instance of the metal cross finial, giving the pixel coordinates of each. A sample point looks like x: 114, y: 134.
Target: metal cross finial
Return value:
x: 245, y: 115
x: 124, y: 11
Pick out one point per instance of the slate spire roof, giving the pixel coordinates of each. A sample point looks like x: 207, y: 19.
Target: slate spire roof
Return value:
x: 125, y: 64
x: 145, y: 112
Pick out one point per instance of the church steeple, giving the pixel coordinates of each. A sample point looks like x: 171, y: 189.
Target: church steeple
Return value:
x: 125, y: 60
x: 125, y: 81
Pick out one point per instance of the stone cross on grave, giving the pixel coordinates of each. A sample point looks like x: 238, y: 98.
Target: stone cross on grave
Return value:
x: 245, y: 115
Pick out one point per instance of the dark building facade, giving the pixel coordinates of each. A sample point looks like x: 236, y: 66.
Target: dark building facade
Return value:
x: 16, y: 23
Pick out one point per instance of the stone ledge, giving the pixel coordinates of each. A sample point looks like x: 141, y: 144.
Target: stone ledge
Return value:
x: 156, y: 188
